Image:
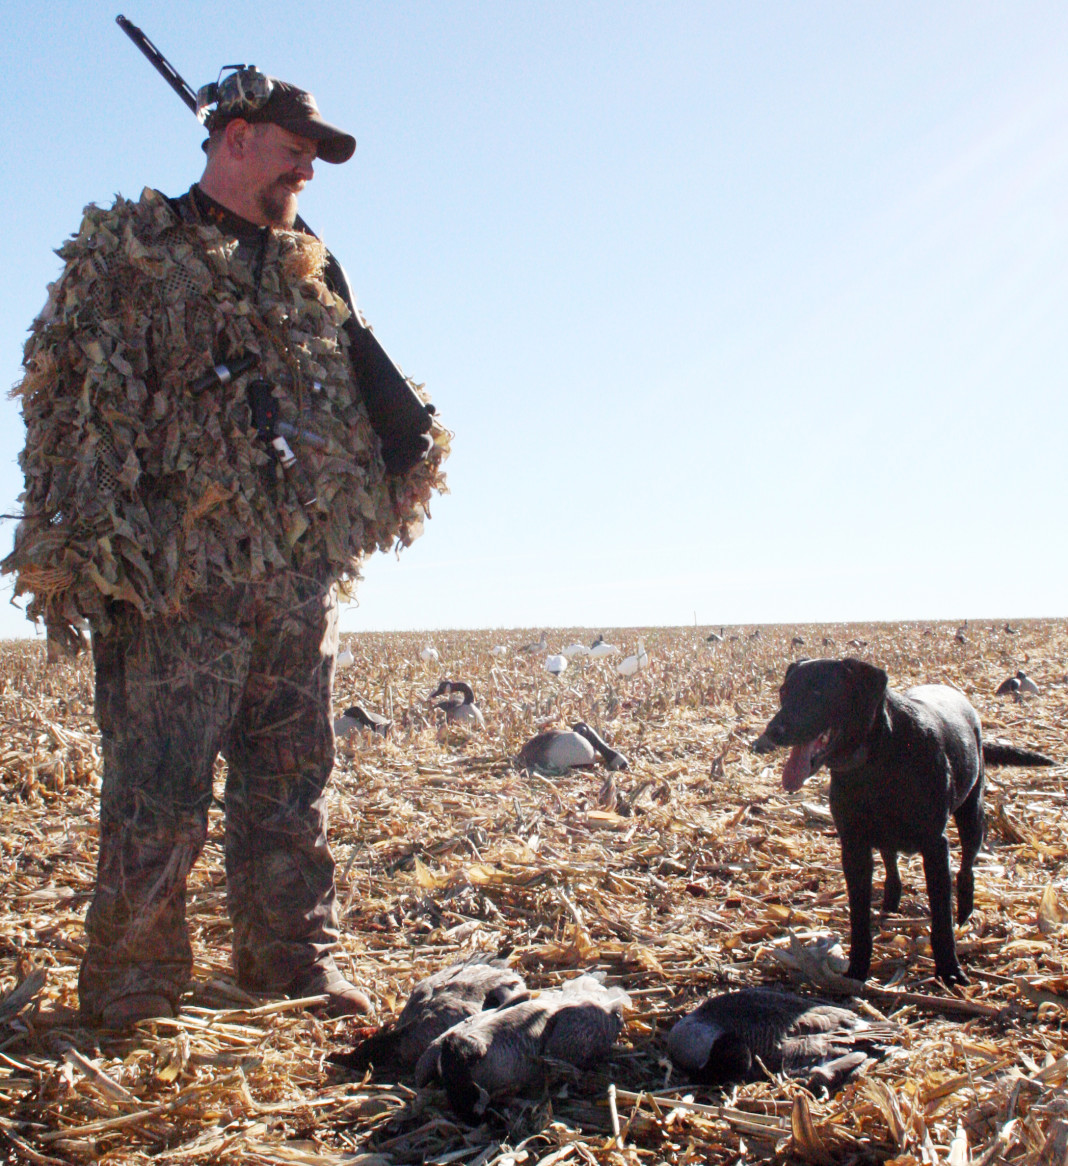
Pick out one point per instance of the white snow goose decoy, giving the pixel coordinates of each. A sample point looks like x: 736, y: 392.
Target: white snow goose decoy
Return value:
x: 459, y: 706
x: 357, y: 718
x: 435, y: 1005
x: 601, y: 648
x: 572, y: 651
x: 721, y: 1040
x: 429, y: 655
x: 556, y: 665
x: 632, y: 665
x: 500, y: 1052
x: 559, y: 750
x: 345, y: 659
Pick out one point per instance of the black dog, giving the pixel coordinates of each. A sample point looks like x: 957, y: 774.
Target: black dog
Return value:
x: 900, y: 764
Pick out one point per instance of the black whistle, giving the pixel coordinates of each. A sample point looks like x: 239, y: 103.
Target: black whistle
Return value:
x: 223, y: 373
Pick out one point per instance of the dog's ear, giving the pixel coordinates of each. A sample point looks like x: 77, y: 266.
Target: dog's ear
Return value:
x: 869, y: 685
x: 795, y: 664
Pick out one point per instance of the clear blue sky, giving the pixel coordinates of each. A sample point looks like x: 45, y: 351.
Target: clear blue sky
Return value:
x: 742, y: 312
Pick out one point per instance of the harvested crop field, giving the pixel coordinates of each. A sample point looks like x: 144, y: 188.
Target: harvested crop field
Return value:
x: 689, y: 872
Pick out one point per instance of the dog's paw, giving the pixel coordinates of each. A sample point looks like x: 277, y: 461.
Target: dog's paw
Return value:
x: 952, y: 975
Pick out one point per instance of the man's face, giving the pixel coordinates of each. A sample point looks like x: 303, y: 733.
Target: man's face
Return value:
x: 278, y: 163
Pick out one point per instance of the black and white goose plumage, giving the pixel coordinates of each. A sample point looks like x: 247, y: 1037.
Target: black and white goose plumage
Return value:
x: 722, y: 1040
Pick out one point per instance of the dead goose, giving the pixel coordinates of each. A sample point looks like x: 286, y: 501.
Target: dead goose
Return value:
x: 435, y: 1005
x: 500, y: 1052
x: 562, y: 749
x: 720, y: 1041
x: 459, y: 707
x: 357, y: 718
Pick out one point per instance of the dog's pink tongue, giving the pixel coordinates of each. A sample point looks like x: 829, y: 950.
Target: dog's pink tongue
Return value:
x: 798, y: 766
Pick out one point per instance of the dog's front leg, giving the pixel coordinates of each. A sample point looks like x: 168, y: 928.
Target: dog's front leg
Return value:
x: 891, y: 883
x: 858, y: 865
x: 939, y: 884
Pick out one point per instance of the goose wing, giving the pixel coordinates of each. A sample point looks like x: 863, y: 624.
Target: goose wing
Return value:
x: 585, y: 1022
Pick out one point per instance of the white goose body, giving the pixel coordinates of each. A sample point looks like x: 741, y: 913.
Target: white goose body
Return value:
x: 631, y: 665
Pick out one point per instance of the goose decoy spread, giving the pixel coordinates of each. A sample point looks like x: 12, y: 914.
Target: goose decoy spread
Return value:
x: 459, y: 706
x: 721, y: 1041
x: 500, y: 1052
x: 558, y: 750
x: 435, y: 1005
x: 630, y: 665
x: 357, y: 718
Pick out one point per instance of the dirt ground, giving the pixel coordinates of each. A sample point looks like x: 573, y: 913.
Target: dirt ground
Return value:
x: 689, y: 872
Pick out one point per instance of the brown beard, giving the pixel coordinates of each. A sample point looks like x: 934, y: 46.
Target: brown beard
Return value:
x: 278, y: 204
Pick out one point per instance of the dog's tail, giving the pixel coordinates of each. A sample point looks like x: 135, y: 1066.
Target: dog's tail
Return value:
x: 1002, y: 753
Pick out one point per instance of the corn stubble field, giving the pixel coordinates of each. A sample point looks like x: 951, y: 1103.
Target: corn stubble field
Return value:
x: 690, y: 872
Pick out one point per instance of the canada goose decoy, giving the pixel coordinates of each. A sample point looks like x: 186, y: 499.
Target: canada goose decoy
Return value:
x: 1017, y: 684
x: 459, y: 706
x: 713, y: 638
x: 631, y: 665
x: 345, y: 659
x: 556, y: 664
x: 500, y: 1052
x: 559, y: 750
x: 797, y: 642
x: 720, y: 1041
x: 435, y: 1005
x: 429, y: 655
x: 358, y: 718
x: 542, y: 645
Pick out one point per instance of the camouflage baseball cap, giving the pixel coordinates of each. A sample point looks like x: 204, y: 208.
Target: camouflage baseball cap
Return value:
x: 255, y: 97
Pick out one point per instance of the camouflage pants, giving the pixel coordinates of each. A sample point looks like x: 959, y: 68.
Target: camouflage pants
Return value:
x: 248, y: 673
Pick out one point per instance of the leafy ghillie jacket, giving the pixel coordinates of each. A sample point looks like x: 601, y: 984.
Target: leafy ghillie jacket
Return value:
x: 141, y: 491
